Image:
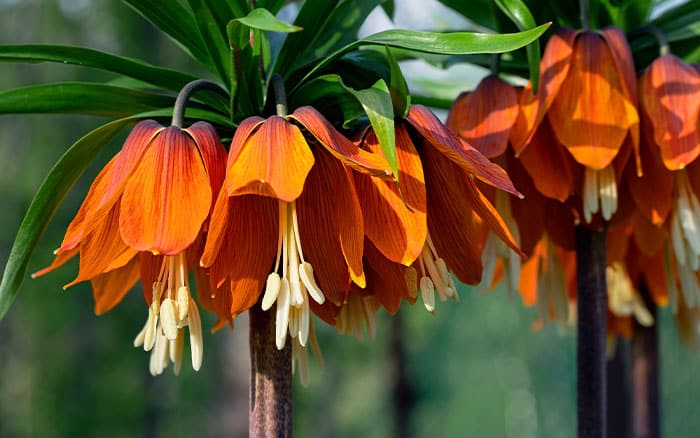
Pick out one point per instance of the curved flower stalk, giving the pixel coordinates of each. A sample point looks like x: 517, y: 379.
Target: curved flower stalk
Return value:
x: 588, y: 99
x: 132, y: 225
x: 288, y: 220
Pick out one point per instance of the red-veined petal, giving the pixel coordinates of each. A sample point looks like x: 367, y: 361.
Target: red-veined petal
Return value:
x: 108, y: 289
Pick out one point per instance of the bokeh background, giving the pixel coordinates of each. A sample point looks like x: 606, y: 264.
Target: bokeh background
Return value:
x: 475, y: 368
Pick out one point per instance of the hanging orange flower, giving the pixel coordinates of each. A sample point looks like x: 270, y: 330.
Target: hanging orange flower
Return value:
x: 289, y: 220
x: 132, y: 225
x: 588, y: 94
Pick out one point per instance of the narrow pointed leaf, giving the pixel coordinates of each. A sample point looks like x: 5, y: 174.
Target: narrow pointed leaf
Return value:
x: 523, y: 19
x: 398, y: 87
x: 213, y: 37
x: 81, y: 98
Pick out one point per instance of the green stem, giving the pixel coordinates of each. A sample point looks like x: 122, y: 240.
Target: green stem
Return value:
x: 184, y: 95
x: 280, y: 95
x: 585, y: 14
x: 664, y: 48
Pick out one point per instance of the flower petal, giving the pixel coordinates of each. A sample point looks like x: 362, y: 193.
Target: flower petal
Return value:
x: 386, y: 280
x: 339, y: 146
x: 549, y: 164
x: 452, y: 223
x: 331, y: 229
x: 213, y: 154
x: 592, y: 114
x: 108, y: 289
x: 670, y: 96
x: 554, y: 68
x: 485, y: 116
x: 487, y: 212
x: 240, y: 137
x: 247, y: 249
x: 275, y: 162
x: 399, y: 233
x: 168, y: 196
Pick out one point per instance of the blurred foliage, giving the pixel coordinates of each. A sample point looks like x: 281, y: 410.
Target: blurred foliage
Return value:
x: 477, y: 368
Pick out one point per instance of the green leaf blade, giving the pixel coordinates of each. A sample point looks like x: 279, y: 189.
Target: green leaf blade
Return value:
x: 521, y: 16
x: 262, y: 19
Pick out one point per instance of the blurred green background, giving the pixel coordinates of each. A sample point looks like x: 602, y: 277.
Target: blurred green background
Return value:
x: 476, y: 368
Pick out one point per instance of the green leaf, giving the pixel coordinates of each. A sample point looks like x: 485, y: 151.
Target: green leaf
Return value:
x: 376, y: 102
x: 80, y: 98
x: 262, y: 19
x: 213, y: 36
x: 158, y: 76
x: 523, y: 19
x: 400, y: 96
x: 456, y: 43
x: 331, y: 97
x: 273, y: 6
x: 178, y: 23
x: 481, y: 12
x: 56, y: 186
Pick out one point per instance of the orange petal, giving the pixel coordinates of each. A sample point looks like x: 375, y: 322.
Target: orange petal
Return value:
x: 331, y: 229
x: 529, y: 211
x: 150, y: 266
x: 485, y: 116
x: 339, y: 146
x: 399, y: 233
x: 670, y: 96
x: 216, y: 300
x: 649, y: 238
x: 653, y: 191
x: 60, y: 259
x: 91, y: 212
x: 457, y: 150
x: 168, y: 196
x: 213, y: 154
x: 240, y: 137
x: 247, y: 248
x: 529, y: 275
x: 549, y: 164
x: 103, y: 250
x: 592, y: 113
x: 451, y: 220
x: 275, y: 162
x: 109, y: 289
x: 218, y: 225
x: 386, y: 280
x: 483, y: 207
x: 554, y: 68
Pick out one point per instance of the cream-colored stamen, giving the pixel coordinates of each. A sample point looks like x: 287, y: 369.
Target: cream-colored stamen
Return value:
x: 552, y: 289
x: 300, y: 360
x: 435, y: 277
x: 357, y: 312
x: 599, y: 193
x: 291, y: 291
x: 496, y: 249
x: 172, y: 308
x: 685, y: 224
x: 623, y: 300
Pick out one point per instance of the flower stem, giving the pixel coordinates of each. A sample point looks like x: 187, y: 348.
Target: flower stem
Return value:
x: 585, y: 12
x: 280, y: 95
x: 645, y: 375
x: 664, y: 48
x: 184, y: 95
x: 591, y: 327
x: 270, y: 410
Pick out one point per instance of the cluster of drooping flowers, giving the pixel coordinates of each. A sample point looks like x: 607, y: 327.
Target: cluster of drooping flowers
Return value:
x: 296, y: 218
x: 595, y: 146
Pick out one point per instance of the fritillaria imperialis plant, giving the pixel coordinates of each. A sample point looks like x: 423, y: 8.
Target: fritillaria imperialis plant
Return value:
x: 326, y: 155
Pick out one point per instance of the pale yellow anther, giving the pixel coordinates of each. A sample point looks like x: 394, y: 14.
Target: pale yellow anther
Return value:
x: 176, y: 350
x: 167, y: 318
x: 272, y: 290
x: 282, y: 315
x: 412, y: 282
x: 427, y: 290
x: 183, y: 299
x: 196, y: 342
x: 151, y: 328
x: 306, y: 272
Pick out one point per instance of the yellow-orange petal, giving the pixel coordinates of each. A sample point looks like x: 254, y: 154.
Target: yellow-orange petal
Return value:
x: 649, y: 238
x: 399, y: 233
x: 275, y: 162
x: 452, y: 223
x: 108, y: 289
x: 167, y: 197
x: 592, y: 114
x: 103, y: 250
x: 213, y: 154
x: 218, y: 224
x: 670, y: 96
x: 216, y: 300
x: 453, y: 147
x: 338, y: 145
x: 240, y: 137
x: 549, y: 164
x: 554, y: 68
x: 485, y: 116
x: 331, y: 229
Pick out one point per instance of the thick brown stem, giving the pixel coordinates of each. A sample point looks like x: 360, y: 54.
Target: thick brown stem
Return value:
x: 591, y: 328
x: 645, y: 377
x: 620, y: 390
x: 270, y: 412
